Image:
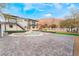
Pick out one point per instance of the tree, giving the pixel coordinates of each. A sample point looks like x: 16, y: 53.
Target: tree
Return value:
x: 72, y: 21
x: 75, y: 18
x: 52, y: 26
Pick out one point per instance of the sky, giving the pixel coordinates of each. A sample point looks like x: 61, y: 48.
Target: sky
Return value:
x: 39, y: 10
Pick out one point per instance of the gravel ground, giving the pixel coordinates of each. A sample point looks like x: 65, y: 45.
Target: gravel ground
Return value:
x: 46, y: 45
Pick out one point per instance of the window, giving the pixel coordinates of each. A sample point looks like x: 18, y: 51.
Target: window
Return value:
x: 12, y: 20
x: 11, y: 26
x: 33, y: 26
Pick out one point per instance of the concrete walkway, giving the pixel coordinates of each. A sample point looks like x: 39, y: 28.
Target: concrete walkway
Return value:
x: 47, y: 44
x: 76, y: 46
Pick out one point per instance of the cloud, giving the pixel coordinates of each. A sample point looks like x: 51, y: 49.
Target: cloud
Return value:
x: 11, y: 10
x: 48, y: 4
x: 15, y: 9
x: 71, y: 6
x: 69, y: 10
x: 40, y: 9
x: 28, y: 6
x: 57, y: 6
x: 67, y: 3
x: 63, y: 15
x: 73, y: 9
x: 48, y: 15
x: 5, y: 11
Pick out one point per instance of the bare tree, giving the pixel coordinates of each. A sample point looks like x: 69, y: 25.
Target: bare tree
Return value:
x: 75, y: 18
x: 72, y: 21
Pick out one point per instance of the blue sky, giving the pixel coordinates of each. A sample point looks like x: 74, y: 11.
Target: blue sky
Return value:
x: 40, y: 10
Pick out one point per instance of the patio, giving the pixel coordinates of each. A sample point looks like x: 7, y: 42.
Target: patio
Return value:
x: 47, y: 44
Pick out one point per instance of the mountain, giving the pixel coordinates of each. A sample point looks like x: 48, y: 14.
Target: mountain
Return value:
x: 49, y: 21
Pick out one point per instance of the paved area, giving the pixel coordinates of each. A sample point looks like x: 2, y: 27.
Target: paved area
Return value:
x: 30, y: 33
x: 76, y: 46
x: 47, y: 44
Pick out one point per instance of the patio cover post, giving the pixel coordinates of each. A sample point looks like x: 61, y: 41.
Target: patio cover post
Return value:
x: 2, y: 30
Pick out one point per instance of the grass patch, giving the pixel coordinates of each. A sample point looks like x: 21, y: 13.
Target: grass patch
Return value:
x: 63, y: 33
x: 9, y: 32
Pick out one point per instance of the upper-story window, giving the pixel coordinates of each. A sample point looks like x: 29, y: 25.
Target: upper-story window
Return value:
x: 33, y: 22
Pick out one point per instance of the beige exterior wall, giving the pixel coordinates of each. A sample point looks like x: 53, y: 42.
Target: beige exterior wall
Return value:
x: 14, y: 28
x: 20, y: 20
x: 34, y: 28
x: 11, y: 18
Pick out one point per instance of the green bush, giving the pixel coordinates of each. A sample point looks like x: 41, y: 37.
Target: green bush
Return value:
x: 9, y: 32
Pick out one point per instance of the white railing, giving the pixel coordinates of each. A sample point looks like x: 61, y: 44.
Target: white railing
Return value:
x: 23, y: 24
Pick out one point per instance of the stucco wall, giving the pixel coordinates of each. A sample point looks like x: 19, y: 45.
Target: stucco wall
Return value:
x: 14, y: 28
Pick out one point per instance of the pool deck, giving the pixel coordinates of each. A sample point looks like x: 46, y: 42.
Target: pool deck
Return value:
x: 47, y: 44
